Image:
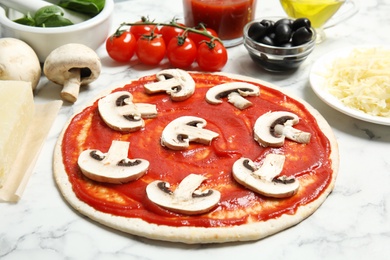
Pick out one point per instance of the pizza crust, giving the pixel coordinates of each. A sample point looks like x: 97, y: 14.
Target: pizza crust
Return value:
x: 195, y: 235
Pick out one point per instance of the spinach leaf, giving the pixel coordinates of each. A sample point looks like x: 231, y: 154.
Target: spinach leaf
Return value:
x: 91, y: 7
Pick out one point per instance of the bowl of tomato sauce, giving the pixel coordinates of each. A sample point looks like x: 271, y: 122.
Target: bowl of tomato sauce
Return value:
x: 278, y: 43
x: 226, y: 17
x: 92, y: 32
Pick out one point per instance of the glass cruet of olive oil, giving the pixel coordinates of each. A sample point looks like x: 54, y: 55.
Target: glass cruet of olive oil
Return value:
x: 322, y: 13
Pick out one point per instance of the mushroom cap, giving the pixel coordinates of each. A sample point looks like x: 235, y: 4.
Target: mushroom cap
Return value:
x: 214, y: 94
x: 185, y: 198
x: 120, y: 113
x: 178, y: 134
x: 18, y: 61
x: 264, y: 125
x: 113, y: 166
x: 263, y: 179
x: 176, y: 82
x: 61, y: 61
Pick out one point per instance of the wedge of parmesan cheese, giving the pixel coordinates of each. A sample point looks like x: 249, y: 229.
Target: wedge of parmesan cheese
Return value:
x: 362, y: 80
x: 16, y: 114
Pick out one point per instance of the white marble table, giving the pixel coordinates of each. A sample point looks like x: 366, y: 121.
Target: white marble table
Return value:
x: 353, y: 223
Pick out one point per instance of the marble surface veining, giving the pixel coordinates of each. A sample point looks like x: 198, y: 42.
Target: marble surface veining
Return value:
x: 353, y: 223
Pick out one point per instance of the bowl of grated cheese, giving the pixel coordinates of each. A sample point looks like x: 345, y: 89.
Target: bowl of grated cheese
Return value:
x: 355, y: 81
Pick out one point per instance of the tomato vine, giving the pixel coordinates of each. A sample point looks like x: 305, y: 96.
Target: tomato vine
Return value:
x: 183, y: 51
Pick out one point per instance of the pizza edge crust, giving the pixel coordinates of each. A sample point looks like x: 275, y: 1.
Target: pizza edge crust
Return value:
x: 198, y: 235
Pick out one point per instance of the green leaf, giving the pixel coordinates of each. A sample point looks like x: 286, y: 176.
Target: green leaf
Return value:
x: 26, y: 20
x: 91, y: 7
x: 53, y: 16
x: 48, y: 13
x: 55, y: 21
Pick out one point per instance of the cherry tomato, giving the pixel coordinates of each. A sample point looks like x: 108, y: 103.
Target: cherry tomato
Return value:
x: 211, y: 58
x: 181, y: 52
x: 198, y: 38
x: 121, y: 47
x: 169, y: 32
x: 150, y: 50
x: 143, y: 29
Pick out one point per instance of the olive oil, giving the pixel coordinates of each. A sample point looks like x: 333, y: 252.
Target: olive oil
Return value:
x: 317, y: 11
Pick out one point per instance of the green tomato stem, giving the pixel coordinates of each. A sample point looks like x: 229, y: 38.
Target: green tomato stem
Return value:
x: 173, y: 23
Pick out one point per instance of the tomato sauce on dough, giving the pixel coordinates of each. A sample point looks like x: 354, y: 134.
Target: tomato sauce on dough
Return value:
x: 309, y: 163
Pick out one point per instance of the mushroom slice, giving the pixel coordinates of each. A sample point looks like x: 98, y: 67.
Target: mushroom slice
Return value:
x: 214, y: 94
x: 113, y: 166
x: 273, y: 127
x: 178, y: 134
x: 185, y: 198
x: 263, y: 179
x: 120, y: 113
x: 175, y: 82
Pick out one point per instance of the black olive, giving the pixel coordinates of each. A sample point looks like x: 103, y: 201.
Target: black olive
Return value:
x: 267, y: 40
x: 268, y: 24
x: 300, y: 22
x: 282, y: 33
x: 301, y: 36
x: 256, y: 31
x: 287, y: 21
x: 272, y: 35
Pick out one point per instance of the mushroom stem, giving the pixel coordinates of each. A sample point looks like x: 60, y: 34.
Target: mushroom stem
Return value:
x: 271, y: 167
x: 71, y: 86
x: 163, y: 85
x: 116, y: 152
x: 238, y: 101
x: 293, y: 134
x: 187, y: 187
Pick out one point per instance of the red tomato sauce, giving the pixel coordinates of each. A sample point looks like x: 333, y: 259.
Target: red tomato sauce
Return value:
x: 215, y: 161
x: 227, y: 18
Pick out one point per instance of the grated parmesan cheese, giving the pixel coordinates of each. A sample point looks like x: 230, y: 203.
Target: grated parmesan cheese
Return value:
x: 362, y: 80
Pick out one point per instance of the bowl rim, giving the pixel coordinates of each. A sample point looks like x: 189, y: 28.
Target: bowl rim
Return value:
x: 103, y: 15
x: 275, y: 18
x: 303, y: 54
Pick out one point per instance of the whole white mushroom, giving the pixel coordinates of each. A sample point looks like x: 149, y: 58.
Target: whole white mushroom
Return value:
x: 18, y: 61
x: 72, y: 65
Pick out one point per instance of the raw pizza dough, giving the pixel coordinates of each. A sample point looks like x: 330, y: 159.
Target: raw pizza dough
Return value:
x: 192, y: 235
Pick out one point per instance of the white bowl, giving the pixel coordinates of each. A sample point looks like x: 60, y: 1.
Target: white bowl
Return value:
x: 91, y: 33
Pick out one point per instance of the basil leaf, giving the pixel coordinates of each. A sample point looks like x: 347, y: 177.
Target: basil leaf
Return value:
x: 55, y: 21
x: 91, y: 7
x: 26, y: 20
x: 44, y: 13
x: 48, y: 16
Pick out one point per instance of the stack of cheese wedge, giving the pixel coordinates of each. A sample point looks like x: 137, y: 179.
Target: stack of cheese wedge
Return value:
x: 16, y: 114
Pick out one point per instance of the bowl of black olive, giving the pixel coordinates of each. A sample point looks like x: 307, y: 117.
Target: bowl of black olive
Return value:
x: 279, y: 44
